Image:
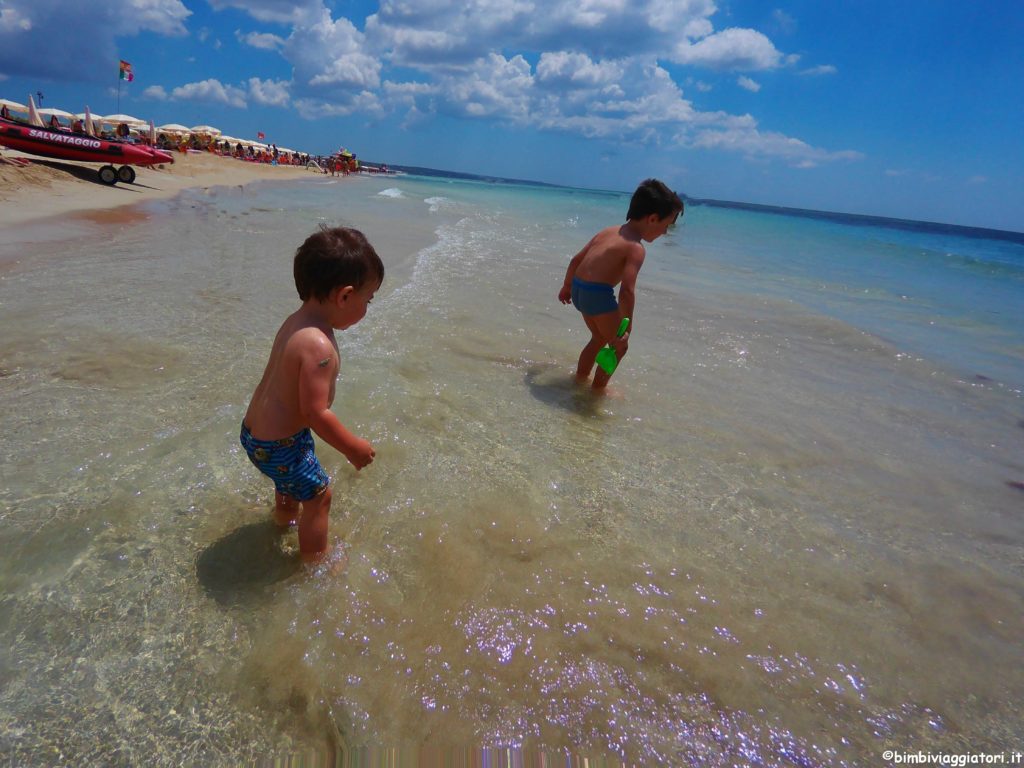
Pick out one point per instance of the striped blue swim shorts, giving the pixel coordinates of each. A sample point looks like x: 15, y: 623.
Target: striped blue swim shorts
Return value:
x: 291, y: 463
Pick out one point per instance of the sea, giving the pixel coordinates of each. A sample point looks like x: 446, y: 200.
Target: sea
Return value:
x: 790, y: 534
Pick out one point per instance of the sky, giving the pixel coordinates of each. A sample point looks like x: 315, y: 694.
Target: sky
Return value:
x: 904, y: 108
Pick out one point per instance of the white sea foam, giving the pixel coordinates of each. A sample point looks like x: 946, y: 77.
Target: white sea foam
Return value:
x: 391, y: 192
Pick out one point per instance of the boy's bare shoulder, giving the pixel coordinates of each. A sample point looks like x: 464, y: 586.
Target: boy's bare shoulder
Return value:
x: 622, y: 245
x: 605, y: 235
x: 302, y: 340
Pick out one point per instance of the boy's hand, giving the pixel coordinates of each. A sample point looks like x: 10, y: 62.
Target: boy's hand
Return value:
x: 565, y: 295
x: 360, y: 453
x: 621, y: 344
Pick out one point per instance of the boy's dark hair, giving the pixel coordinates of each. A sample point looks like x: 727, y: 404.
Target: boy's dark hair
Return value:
x: 332, y: 257
x: 652, y: 196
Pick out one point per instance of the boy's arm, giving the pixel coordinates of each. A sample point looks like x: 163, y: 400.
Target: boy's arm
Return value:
x: 318, y: 367
x: 627, y: 289
x: 565, y: 294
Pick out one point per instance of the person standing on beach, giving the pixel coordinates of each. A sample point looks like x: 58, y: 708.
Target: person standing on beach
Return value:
x: 613, y: 257
x: 336, y: 272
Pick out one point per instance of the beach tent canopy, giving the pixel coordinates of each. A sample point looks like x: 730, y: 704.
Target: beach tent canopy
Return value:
x: 206, y: 129
x: 14, y: 105
x: 173, y: 128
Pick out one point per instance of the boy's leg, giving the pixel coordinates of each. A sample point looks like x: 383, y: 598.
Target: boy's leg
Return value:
x: 589, y: 353
x: 286, y: 510
x: 313, y: 526
x: 602, y: 330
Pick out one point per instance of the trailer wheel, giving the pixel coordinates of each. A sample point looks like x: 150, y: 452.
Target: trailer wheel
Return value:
x: 126, y: 174
x: 108, y: 175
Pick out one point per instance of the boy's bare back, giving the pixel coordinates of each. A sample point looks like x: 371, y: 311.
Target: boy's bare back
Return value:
x: 608, y: 253
x: 304, y: 354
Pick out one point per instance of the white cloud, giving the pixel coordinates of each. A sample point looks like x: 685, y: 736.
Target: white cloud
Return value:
x: 575, y: 70
x: 273, y: 93
x: 821, y: 69
x: 276, y: 11
x: 751, y: 85
x: 262, y: 40
x: 494, y: 87
x: 433, y: 33
x: 212, y: 91
x: 757, y: 144
x: 363, y: 103
x: 13, y: 20
x: 330, y: 58
x: 155, y: 92
x: 731, y: 48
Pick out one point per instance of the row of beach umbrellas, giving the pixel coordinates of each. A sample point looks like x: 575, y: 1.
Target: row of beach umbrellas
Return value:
x: 100, y: 120
x: 135, y: 124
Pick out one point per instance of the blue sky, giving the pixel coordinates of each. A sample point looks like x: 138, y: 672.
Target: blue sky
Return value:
x: 904, y: 108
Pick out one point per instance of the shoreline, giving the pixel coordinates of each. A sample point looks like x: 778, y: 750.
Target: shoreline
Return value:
x: 47, y: 188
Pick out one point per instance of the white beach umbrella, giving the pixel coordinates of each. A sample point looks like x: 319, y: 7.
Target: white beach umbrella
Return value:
x: 116, y: 119
x: 49, y: 111
x: 206, y: 129
x: 13, y: 105
x: 174, y: 128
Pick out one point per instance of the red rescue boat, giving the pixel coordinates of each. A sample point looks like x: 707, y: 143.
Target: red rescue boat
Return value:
x: 63, y: 145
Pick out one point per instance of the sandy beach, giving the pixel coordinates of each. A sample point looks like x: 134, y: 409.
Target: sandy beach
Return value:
x: 46, y: 188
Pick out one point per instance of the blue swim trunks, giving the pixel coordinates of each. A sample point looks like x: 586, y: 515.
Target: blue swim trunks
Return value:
x: 593, y: 298
x: 290, y: 463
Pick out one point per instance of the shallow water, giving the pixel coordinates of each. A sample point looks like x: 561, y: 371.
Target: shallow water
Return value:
x: 790, y: 535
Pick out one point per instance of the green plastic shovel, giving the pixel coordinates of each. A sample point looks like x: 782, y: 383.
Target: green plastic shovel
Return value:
x: 606, y: 357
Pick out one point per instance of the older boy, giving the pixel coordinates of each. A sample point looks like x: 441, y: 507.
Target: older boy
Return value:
x: 613, y: 256
x: 336, y: 273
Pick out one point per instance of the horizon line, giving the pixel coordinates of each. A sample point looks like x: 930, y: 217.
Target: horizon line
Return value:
x: 966, y: 230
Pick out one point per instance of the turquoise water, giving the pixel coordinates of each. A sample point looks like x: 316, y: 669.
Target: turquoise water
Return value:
x: 791, y: 533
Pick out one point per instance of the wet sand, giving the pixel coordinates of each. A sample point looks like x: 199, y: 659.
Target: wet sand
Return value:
x: 47, y: 188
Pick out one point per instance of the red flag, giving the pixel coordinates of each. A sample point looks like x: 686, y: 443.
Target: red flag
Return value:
x: 126, y: 71
x: 260, y: 135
